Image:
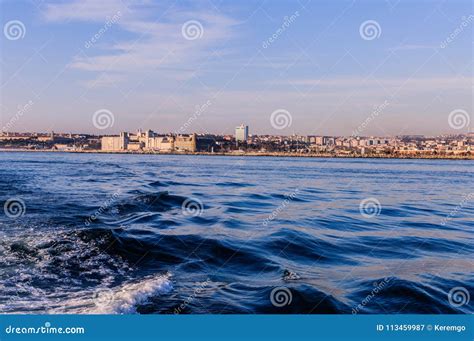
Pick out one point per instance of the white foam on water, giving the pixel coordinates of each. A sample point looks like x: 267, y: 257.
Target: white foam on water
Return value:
x: 123, y: 299
x: 126, y: 298
x: 31, y: 262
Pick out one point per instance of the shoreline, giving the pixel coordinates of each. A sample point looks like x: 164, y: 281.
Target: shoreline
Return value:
x: 253, y: 154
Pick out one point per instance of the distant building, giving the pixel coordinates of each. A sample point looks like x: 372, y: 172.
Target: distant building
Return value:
x: 149, y: 141
x: 115, y: 143
x: 320, y: 140
x: 185, y: 143
x: 242, y: 133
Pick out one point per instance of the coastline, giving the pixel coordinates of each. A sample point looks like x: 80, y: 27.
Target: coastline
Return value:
x: 253, y: 154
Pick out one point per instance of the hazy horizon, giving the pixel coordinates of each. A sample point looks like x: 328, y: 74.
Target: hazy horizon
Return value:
x: 310, y: 67
x: 134, y: 131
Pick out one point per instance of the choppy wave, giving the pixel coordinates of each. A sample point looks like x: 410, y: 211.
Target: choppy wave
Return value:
x: 124, y: 299
x: 112, y: 234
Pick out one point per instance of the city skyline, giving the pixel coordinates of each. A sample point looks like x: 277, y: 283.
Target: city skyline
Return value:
x: 322, y: 67
x: 230, y: 133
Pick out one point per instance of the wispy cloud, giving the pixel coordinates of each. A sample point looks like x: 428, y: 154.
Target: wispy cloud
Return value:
x: 413, y: 83
x: 411, y: 47
x: 84, y: 10
x: 157, y: 43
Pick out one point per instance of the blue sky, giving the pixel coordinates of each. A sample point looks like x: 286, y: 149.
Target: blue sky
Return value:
x: 320, y: 67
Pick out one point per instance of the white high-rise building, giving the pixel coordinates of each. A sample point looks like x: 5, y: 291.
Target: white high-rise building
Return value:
x: 242, y: 133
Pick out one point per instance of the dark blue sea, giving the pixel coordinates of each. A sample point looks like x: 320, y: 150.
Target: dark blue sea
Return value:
x: 147, y: 234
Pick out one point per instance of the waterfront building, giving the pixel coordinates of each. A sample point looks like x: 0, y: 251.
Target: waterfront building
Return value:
x: 149, y: 141
x: 115, y: 143
x: 241, y: 133
x: 320, y: 140
x: 185, y: 143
